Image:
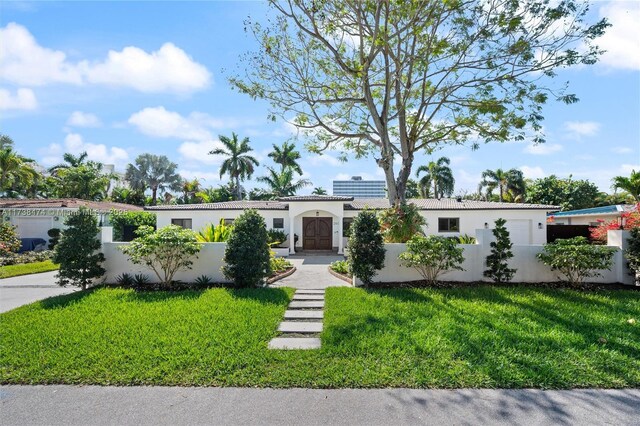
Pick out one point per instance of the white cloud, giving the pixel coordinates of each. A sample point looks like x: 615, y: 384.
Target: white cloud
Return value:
x: 83, y: 119
x: 169, y: 69
x: 206, y: 178
x: 535, y: 172
x: 24, y: 99
x: 161, y: 123
x: 542, y: 149
x: 74, y: 144
x: 199, y: 152
x: 622, y: 40
x: 628, y: 168
x: 622, y: 150
x: 578, y: 129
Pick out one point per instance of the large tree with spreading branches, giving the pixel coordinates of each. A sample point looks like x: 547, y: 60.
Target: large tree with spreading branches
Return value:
x: 391, y: 78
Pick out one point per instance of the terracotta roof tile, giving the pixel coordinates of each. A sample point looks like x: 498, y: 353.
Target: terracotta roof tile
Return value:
x: 226, y: 205
x: 58, y: 203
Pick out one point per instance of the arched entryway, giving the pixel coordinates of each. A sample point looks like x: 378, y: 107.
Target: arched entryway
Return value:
x: 317, y: 233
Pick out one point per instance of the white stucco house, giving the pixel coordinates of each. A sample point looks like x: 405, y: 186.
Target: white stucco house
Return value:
x: 320, y: 221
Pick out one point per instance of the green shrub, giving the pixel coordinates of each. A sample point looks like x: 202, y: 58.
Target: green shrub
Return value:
x: 247, y: 253
x: 400, y: 223
x: 276, y: 237
x: 9, y: 241
x: 165, y: 251
x: 632, y: 254
x: 576, y: 259
x: 466, y: 239
x: 341, y: 267
x: 203, y: 281
x: 278, y: 264
x: 54, y: 237
x: 26, y: 257
x: 215, y: 234
x: 498, y: 260
x: 366, y: 247
x: 432, y: 256
x: 125, y: 280
x: 77, y: 251
x: 119, y: 219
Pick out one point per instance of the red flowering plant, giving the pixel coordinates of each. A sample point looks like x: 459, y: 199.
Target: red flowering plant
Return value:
x: 627, y: 221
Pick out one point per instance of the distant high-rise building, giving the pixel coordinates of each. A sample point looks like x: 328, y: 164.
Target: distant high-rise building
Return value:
x: 358, y: 188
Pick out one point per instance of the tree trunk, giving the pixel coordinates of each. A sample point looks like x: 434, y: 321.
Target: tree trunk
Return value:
x: 238, y: 190
x: 386, y: 163
x: 154, y: 193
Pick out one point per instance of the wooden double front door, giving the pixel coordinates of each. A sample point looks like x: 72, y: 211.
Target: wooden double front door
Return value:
x: 317, y: 233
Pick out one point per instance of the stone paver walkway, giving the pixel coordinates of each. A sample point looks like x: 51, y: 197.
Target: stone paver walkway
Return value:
x: 311, y: 272
x: 302, y: 322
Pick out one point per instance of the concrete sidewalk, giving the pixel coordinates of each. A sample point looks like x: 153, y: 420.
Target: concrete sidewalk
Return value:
x: 94, y: 405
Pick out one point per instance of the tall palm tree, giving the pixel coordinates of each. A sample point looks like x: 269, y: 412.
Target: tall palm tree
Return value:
x: 16, y: 173
x: 287, y: 156
x: 629, y: 184
x: 6, y: 142
x: 282, y: 184
x: 154, y: 172
x: 70, y: 161
x: 510, y: 181
x: 238, y: 165
x: 437, y: 175
x: 319, y: 191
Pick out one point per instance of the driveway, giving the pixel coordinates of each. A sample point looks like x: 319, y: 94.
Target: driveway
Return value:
x: 311, y: 272
x: 25, y: 289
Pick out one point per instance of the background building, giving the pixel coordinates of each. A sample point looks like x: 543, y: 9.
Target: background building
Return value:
x: 358, y: 188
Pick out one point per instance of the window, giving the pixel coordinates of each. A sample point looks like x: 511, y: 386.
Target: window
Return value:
x: 185, y: 223
x: 346, y: 225
x: 448, y: 224
x: 278, y: 223
x: 228, y: 222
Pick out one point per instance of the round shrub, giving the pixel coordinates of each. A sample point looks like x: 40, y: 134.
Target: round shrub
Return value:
x: 9, y: 241
x: 365, y: 247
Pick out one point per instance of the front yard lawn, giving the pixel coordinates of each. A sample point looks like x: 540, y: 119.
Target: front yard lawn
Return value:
x: 463, y: 337
x: 27, y: 268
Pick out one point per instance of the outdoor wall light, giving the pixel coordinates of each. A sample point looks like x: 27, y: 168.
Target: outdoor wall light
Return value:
x: 317, y: 214
x: 486, y: 225
x: 539, y: 225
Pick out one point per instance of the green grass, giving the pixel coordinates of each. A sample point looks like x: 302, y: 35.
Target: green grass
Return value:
x: 27, y: 268
x: 466, y: 337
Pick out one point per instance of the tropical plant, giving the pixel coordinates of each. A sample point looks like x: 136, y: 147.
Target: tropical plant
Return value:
x: 86, y: 181
x: 413, y: 190
x: 215, y: 234
x: 576, y: 259
x: 276, y: 237
x: 238, y: 164
x: 341, y: 266
x: 365, y: 247
x: 466, y: 239
x: 77, y: 251
x: 70, y: 161
x: 319, y: 191
x: 506, y: 181
x: 165, y: 251
x: 498, y: 261
x: 120, y: 219
x: 629, y: 184
x: 247, y: 254
x: 628, y: 220
x: 154, y: 172
x: 438, y: 175
x: 568, y: 193
x: 215, y: 195
x: 203, y: 281
x: 17, y: 175
x: 632, y: 254
x: 287, y: 156
x: 120, y: 194
x: 432, y: 256
x: 9, y: 241
x: 281, y: 184
x: 190, y: 191
x: 6, y: 142
x: 125, y: 280
x: 278, y: 264
x: 400, y: 223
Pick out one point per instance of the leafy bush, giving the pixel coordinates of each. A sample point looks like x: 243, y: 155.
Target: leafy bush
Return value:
x: 77, y: 251
x: 279, y: 264
x: 498, y: 260
x: 576, y: 259
x: 54, y: 237
x: 26, y: 257
x: 400, y: 223
x: 466, y: 239
x: 165, y: 251
x: 203, y: 281
x: 247, y: 253
x: 140, y: 281
x: 9, y: 241
x: 432, y: 256
x: 632, y: 254
x: 276, y: 237
x: 119, y: 219
x: 341, y: 267
x: 215, y: 234
x: 125, y: 280
x: 365, y: 247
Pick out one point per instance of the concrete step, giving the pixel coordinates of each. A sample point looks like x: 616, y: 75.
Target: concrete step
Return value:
x: 287, y: 343
x: 309, y: 291
x: 303, y: 314
x: 308, y: 297
x: 300, y: 327
x: 306, y: 304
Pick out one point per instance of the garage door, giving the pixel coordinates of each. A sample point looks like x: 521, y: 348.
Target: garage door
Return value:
x: 33, y: 227
x: 519, y: 231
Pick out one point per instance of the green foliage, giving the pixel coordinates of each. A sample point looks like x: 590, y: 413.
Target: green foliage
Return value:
x: 125, y: 280
x: 26, y: 257
x: 86, y: 181
x: 18, y: 176
x: 632, y: 254
x: 278, y: 264
x: 77, y: 251
x: 401, y: 222
x: 239, y: 165
x: 203, y: 281
x: 9, y: 241
x: 128, y: 196
x: 154, y: 172
x: 341, y: 266
x: 27, y: 268
x: 247, y: 253
x: 466, y: 239
x: 119, y: 219
x: 54, y: 237
x: 165, y: 251
x: 281, y: 183
x: 576, y: 259
x: 498, y: 260
x: 215, y: 234
x: 366, y: 247
x: 569, y: 194
x: 510, y: 184
x: 432, y: 256
x: 438, y: 175
x: 276, y: 237
x: 629, y: 184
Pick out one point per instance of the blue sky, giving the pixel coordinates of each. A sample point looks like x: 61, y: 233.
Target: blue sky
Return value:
x: 118, y: 79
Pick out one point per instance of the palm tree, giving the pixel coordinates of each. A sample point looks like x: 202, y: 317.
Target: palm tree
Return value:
x: 237, y: 165
x: 319, y: 191
x: 16, y: 173
x: 6, y: 142
x: 439, y: 176
x: 510, y: 181
x: 282, y: 184
x: 153, y: 172
x: 71, y: 161
x: 286, y: 156
x: 629, y: 184
x: 190, y: 189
